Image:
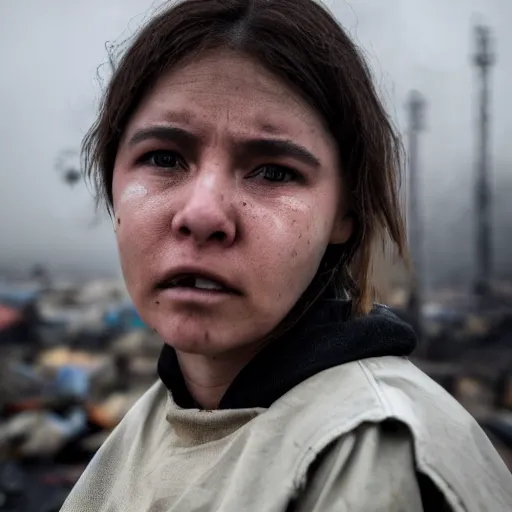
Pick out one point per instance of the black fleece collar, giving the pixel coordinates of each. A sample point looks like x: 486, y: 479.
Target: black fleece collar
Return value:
x: 322, y: 339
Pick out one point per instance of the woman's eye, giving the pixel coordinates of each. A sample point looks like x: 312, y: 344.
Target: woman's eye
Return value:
x: 276, y: 173
x: 164, y: 159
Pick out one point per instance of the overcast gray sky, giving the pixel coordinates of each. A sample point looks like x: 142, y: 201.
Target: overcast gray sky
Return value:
x: 50, y: 51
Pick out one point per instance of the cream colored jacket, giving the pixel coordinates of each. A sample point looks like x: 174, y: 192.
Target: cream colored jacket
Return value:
x: 352, y: 438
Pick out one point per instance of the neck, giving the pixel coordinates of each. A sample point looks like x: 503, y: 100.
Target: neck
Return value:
x: 208, y: 377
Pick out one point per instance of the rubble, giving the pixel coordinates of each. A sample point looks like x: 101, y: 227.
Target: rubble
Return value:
x: 73, y: 361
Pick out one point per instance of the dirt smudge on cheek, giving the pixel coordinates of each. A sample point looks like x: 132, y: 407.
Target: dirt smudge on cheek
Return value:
x: 134, y: 191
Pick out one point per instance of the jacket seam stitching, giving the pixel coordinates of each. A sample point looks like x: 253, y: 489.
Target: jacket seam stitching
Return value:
x: 387, y: 409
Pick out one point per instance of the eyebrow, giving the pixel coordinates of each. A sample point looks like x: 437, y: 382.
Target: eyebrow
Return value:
x: 165, y: 134
x: 280, y: 148
x: 255, y: 147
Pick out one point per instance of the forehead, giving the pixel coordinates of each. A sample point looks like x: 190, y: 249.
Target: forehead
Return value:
x: 226, y: 92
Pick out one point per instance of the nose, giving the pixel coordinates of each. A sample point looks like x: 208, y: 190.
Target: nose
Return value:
x: 206, y: 217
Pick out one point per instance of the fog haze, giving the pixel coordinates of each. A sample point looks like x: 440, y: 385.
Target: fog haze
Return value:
x: 50, y: 52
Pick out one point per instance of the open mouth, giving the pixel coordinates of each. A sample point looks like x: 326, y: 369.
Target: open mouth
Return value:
x: 196, y: 282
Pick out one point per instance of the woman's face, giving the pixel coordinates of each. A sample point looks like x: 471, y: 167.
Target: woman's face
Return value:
x: 227, y: 192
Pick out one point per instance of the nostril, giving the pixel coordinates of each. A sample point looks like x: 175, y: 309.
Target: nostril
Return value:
x: 185, y: 231
x: 220, y: 236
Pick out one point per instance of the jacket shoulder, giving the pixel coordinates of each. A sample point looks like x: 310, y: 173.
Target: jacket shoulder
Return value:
x: 449, y: 446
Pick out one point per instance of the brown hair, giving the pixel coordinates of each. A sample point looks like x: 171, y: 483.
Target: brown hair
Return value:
x: 300, y: 41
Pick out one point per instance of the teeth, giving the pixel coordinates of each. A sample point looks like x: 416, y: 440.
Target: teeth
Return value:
x: 205, y: 284
x: 195, y: 282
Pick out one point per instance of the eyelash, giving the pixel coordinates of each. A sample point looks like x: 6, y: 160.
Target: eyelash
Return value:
x: 294, y: 175
x: 148, y: 159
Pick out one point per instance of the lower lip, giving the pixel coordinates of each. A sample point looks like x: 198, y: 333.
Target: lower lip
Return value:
x: 196, y: 295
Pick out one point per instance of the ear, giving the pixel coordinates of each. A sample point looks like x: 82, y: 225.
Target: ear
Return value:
x: 342, y: 229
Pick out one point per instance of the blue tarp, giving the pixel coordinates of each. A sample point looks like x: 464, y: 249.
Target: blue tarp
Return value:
x: 123, y: 317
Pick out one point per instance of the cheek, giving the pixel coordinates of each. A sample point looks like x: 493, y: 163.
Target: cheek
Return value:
x: 306, y: 229
x: 291, y: 247
x: 133, y: 192
x: 307, y: 245
x: 139, y: 222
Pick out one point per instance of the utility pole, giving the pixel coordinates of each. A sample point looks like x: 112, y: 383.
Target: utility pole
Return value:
x: 483, y: 60
x: 416, y: 108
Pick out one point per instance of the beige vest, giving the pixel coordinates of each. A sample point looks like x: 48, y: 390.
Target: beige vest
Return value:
x: 162, y: 458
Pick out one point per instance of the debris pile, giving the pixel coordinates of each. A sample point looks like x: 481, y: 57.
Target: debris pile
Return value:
x: 73, y: 360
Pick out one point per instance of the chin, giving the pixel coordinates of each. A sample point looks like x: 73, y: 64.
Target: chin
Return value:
x: 209, y: 336
x: 192, y: 340
x: 197, y: 337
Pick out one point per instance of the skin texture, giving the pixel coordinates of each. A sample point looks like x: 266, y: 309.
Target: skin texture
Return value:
x: 212, y: 205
